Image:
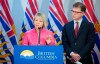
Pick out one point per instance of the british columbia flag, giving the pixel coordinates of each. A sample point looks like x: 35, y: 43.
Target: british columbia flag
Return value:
x: 7, y: 24
x: 30, y: 12
x: 91, y: 16
x: 56, y: 18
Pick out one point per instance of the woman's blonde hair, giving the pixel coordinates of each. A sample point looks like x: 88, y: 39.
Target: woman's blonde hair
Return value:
x: 43, y: 17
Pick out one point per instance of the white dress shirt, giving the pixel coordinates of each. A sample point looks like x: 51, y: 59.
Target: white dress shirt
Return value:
x: 79, y: 22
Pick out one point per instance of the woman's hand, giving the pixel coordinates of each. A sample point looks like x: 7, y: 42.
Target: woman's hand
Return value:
x: 49, y: 39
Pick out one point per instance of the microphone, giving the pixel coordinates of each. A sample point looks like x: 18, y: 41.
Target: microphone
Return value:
x: 39, y: 28
x: 39, y: 35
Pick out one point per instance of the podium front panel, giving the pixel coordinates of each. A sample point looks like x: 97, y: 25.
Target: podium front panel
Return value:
x: 38, y: 54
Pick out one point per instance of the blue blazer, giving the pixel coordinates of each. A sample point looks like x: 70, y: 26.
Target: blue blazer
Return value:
x: 84, y: 42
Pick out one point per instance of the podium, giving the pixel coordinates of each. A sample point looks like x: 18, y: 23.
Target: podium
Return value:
x: 38, y: 54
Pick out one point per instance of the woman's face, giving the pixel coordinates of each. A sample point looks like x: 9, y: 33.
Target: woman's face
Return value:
x: 38, y: 22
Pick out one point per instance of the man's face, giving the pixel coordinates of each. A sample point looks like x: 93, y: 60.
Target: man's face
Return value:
x: 77, y: 13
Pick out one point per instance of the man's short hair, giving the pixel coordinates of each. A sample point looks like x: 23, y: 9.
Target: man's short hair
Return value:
x: 80, y: 5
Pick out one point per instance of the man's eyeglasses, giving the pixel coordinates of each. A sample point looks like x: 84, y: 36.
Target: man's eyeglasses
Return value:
x: 75, y: 11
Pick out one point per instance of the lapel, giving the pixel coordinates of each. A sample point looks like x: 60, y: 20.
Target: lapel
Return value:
x: 72, y: 29
x: 81, y: 27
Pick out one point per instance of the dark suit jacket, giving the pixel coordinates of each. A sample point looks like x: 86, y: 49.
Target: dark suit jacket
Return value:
x: 84, y: 42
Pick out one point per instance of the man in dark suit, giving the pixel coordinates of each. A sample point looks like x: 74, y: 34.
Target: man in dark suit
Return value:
x: 78, y: 37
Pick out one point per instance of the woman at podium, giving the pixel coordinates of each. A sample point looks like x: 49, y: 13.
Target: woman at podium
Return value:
x: 39, y: 35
